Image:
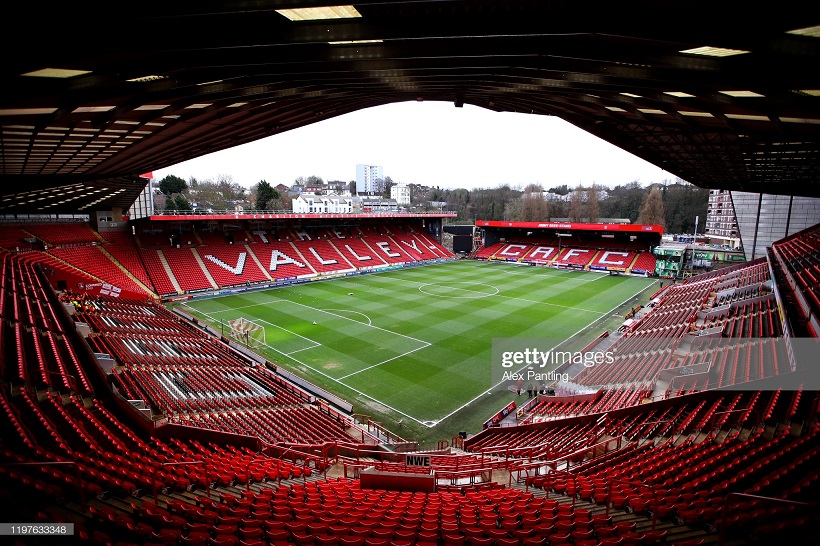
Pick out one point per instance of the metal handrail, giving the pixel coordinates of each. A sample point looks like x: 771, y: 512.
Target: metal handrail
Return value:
x: 726, y: 503
x: 72, y: 383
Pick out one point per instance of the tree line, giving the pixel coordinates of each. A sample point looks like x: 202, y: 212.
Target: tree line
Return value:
x: 175, y: 194
x: 673, y: 205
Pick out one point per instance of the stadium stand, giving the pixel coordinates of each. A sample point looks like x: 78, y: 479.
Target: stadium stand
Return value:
x: 232, y: 264
x: 124, y: 251
x: 159, y: 271
x: 187, y: 268
x: 575, y: 257
x: 64, y: 234
x: 323, y: 257
x: 229, y: 452
x: 359, y: 253
x: 92, y: 260
x: 600, y: 255
x: 285, y: 261
x: 795, y: 260
x: 13, y: 237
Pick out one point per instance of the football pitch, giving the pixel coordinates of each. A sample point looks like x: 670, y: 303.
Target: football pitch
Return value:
x: 418, y: 341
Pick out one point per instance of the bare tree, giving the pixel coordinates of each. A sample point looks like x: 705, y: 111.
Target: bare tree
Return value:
x: 512, y: 209
x: 534, y: 207
x: 576, y: 204
x: 653, y: 210
x: 593, y: 204
x: 378, y: 186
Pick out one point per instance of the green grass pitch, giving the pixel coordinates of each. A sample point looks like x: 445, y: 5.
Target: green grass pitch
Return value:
x: 418, y: 340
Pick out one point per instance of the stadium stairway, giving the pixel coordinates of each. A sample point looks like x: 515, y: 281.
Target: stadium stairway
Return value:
x: 207, y: 273
x: 167, y: 268
x: 255, y: 258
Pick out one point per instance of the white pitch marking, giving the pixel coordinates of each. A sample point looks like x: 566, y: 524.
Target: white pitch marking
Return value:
x: 501, y: 296
x: 385, y: 361
x: 557, y: 345
x: 369, y: 322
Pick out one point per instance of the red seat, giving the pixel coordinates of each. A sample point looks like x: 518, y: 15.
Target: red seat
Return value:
x: 223, y: 540
x: 656, y: 536
x: 276, y: 535
x: 633, y: 539
x: 302, y: 538
x: 247, y: 534
x: 195, y: 539
x: 560, y: 539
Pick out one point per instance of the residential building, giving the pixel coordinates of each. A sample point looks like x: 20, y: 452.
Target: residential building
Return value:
x: 721, y: 223
x: 374, y: 204
x: 310, y: 203
x: 400, y: 192
x: 366, y: 178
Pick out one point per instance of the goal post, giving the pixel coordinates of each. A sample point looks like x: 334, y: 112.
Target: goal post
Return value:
x: 247, y: 332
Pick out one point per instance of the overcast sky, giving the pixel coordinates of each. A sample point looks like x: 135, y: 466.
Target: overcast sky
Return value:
x: 430, y: 143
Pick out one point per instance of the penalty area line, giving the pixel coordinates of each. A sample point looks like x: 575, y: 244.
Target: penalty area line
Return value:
x: 357, y: 391
x: 335, y: 380
x: 385, y: 361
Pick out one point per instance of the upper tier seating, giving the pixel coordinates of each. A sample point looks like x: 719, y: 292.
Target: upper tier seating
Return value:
x: 652, y: 343
x: 798, y: 258
x: 359, y: 253
x: 231, y: 265
x: 284, y: 260
x: 194, y: 380
x: 63, y: 234
x: 156, y: 271
x: 93, y: 261
x: 323, y: 256
x: 186, y: 269
x: 12, y: 236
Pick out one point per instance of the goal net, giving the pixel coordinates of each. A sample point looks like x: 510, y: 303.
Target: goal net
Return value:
x: 247, y: 332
